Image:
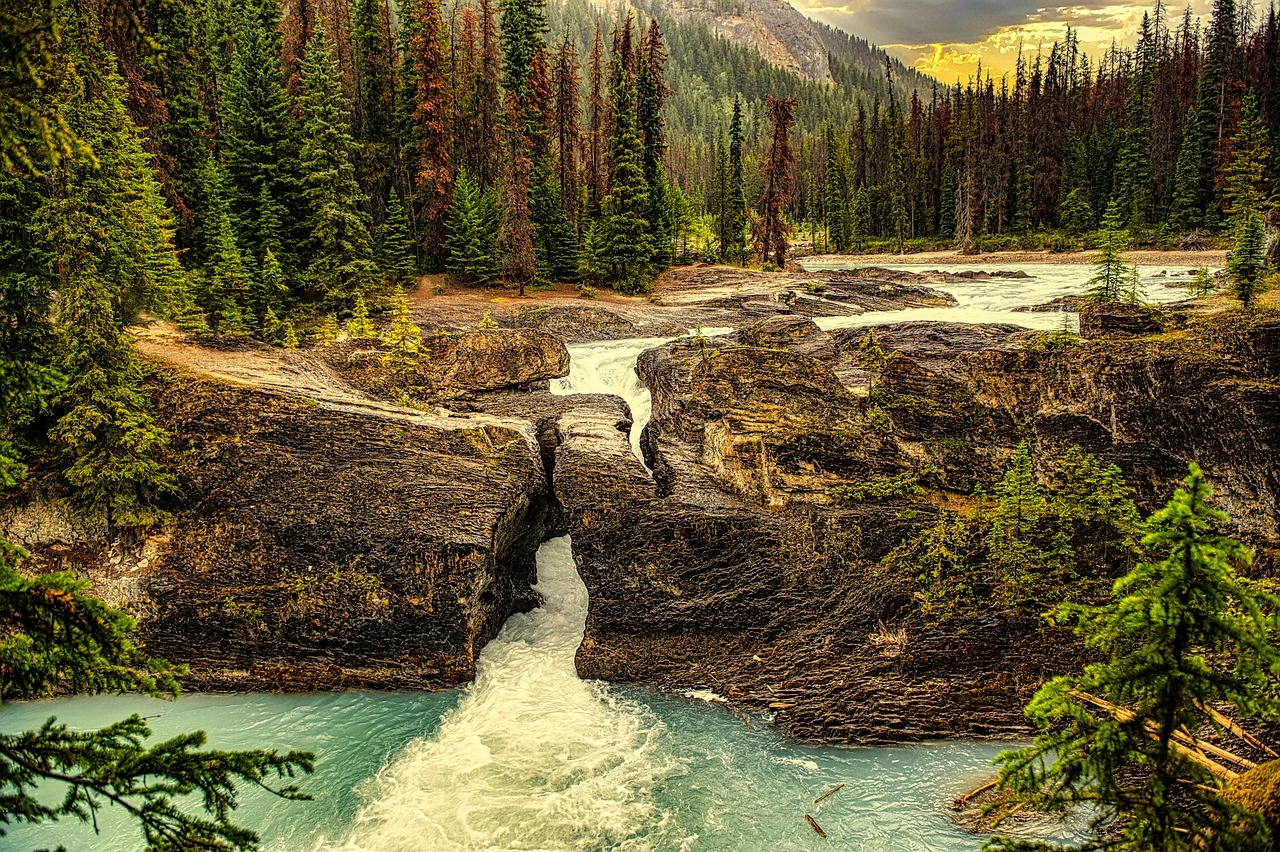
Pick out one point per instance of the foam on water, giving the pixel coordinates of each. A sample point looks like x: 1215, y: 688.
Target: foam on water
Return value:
x: 532, y: 757
x: 994, y: 300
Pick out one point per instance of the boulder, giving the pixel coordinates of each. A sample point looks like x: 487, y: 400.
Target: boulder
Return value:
x: 1109, y: 319
x: 457, y: 364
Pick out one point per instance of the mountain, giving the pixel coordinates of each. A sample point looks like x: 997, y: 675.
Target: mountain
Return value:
x: 773, y: 28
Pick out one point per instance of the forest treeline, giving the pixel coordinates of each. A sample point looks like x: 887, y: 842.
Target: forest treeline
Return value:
x: 1047, y: 147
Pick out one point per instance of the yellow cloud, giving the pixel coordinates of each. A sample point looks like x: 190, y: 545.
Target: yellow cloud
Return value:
x: 1096, y: 28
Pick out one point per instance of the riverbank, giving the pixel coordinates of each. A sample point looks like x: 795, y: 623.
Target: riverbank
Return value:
x: 999, y: 259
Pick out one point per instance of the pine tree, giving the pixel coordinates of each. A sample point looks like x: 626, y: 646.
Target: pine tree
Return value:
x: 431, y: 123
x: 1077, y: 214
x: 328, y: 330
x: 736, y: 217
x: 651, y: 93
x: 395, y: 255
x: 226, y: 283
x: 404, y: 338
x: 374, y: 114
x: 1012, y: 543
x: 1181, y: 635
x: 60, y: 639
x: 340, y: 263
x: 872, y: 359
x: 270, y: 291
x: 947, y: 203
x: 1186, y: 211
x: 555, y: 239
x: 470, y: 233
x: 359, y: 325
x: 834, y: 189
x: 114, y: 448
x: 1109, y: 269
x: 1247, y: 263
x: 774, y: 229
x: 1134, y: 166
x: 625, y: 242
x: 1248, y: 184
x: 261, y: 152
x: 27, y: 335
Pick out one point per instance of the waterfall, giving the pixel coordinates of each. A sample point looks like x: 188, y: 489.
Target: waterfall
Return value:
x: 532, y: 757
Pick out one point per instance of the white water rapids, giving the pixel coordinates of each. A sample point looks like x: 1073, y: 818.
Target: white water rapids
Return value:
x: 532, y: 757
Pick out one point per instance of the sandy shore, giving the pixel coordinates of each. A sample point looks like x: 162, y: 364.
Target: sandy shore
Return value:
x: 1171, y: 259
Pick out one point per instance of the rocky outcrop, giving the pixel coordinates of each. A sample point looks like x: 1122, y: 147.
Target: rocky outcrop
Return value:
x: 1115, y: 320
x: 735, y: 571
x: 773, y: 28
x: 457, y: 364
x: 319, y: 541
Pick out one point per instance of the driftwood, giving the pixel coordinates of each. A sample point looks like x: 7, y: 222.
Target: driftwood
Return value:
x: 814, y: 825
x: 1195, y: 750
x: 828, y: 794
x: 1232, y: 726
x: 960, y: 803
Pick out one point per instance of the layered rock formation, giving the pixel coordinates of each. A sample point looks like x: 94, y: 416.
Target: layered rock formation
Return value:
x: 735, y: 571
x: 327, y: 537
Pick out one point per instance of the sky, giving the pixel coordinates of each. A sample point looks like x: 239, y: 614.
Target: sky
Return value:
x: 948, y: 38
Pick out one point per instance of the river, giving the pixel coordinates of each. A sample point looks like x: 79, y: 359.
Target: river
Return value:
x: 531, y: 757
x: 996, y: 300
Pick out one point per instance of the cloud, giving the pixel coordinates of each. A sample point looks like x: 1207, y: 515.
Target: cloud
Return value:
x: 948, y: 39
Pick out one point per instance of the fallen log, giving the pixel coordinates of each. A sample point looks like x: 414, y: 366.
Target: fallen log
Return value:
x: 960, y: 803
x: 814, y: 825
x: 828, y: 794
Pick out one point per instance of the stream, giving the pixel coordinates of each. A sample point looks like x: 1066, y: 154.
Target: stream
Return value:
x: 531, y: 757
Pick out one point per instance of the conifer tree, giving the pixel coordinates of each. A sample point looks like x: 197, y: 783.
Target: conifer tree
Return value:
x: 395, y: 247
x: 114, y: 448
x: 1110, y: 273
x: 1134, y: 166
x: 556, y: 240
x: 340, y: 264
x: 1247, y: 263
x: 328, y: 330
x: 834, y: 188
x: 947, y: 202
x: 471, y: 227
x: 431, y: 123
x: 270, y: 291
x: 59, y: 638
x: 261, y: 152
x: 625, y: 243
x: 27, y: 334
x: 359, y: 325
x: 736, y: 216
x: 227, y: 283
x: 651, y: 93
x: 404, y: 338
x: 1180, y: 635
x: 772, y: 236
x: 1247, y: 179
x: 872, y: 359
x: 374, y: 103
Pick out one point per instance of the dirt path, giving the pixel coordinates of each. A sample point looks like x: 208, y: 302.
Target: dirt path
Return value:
x: 1171, y: 259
